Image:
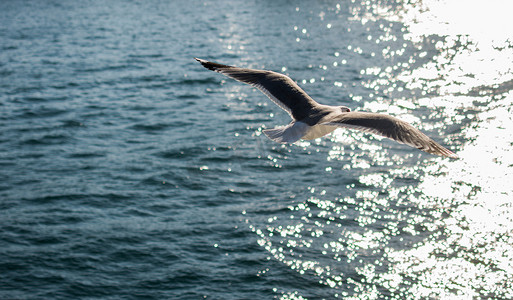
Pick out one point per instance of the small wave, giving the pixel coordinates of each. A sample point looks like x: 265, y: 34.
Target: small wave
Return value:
x: 25, y: 89
x: 41, y: 112
x: 48, y: 139
x: 204, y: 80
x: 5, y: 73
x: 43, y: 99
x: 151, y: 78
x: 182, y: 152
x: 188, y: 96
x: 121, y: 67
x: 106, y: 200
x: 230, y: 192
x: 67, y: 85
x: 9, y: 47
x: 158, y: 181
x: 155, y: 55
x: 150, y: 127
x: 71, y: 124
x: 86, y: 155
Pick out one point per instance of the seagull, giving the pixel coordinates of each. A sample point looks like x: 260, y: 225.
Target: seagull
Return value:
x: 311, y: 120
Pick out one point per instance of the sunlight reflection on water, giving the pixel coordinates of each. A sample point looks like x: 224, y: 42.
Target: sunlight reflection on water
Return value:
x: 420, y: 226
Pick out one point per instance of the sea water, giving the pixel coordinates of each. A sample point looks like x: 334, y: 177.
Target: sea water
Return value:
x: 128, y: 171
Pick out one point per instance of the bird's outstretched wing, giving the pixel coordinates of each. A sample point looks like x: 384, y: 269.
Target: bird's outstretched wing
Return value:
x: 392, y: 128
x: 278, y: 87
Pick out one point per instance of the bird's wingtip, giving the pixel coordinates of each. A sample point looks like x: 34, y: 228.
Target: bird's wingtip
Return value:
x: 448, y: 153
x: 206, y: 64
x: 201, y: 61
x: 211, y: 65
x: 453, y: 155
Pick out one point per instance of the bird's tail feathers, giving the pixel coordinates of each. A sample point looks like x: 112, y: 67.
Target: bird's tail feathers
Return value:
x: 287, y: 134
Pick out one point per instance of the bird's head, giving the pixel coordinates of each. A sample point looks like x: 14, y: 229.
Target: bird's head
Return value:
x: 345, y: 109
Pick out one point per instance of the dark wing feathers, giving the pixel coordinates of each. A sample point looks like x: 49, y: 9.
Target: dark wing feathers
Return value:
x: 392, y: 128
x: 278, y: 87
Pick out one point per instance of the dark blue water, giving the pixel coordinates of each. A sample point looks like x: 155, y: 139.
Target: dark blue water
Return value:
x: 128, y: 171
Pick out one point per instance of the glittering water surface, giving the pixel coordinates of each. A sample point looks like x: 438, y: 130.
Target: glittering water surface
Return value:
x: 129, y: 171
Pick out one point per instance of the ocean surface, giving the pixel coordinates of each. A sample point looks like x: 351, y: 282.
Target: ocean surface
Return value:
x: 129, y: 171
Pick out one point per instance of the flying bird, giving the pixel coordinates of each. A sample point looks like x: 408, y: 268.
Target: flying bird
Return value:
x: 311, y: 120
